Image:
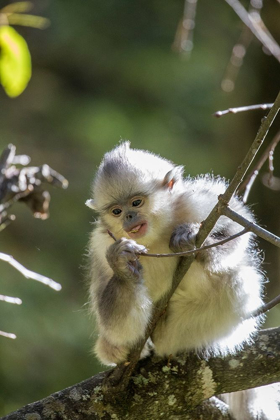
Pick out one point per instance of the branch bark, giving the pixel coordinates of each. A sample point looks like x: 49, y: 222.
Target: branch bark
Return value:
x: 166, y: 389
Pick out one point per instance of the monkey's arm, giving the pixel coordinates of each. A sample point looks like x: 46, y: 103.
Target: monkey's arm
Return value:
x: 122, y: 304
x: 202, y: 195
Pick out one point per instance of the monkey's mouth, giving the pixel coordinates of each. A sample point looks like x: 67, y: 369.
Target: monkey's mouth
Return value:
x: 138, y: 230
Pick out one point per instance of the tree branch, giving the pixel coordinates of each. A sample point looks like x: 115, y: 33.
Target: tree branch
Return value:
x: 260, y: 31
x: 267, y: 154
x: 219, y: 114
x: 192, y: 251
x: 28, y: 273
x: 263, y: 233
x: 188, y: 380
x: 267, y: 306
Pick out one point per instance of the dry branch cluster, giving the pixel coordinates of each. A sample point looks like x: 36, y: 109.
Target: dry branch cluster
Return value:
x: 19, y: 182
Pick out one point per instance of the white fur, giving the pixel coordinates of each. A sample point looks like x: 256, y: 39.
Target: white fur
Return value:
x: 255, y: 404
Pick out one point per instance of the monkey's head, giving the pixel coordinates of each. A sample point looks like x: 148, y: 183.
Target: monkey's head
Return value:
x: 134, y: 192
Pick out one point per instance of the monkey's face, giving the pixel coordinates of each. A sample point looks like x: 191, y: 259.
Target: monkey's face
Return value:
x: 139, y: 217
x: 132, y: 219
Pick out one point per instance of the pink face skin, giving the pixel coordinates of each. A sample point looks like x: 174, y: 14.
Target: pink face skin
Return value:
x: 138, y: 230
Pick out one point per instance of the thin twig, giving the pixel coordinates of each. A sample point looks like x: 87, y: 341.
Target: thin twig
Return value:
x: 9, y: 299
x: 197, y: 250
x: 28, y: 273
x: 22, y: 160
x: 7, y: 157
x: 266, y: 307
x: 267, y: 154
x: 224, y: 199
x: 183, y: 42
x: 219, y: 114
x: 16, y: 198
x: 261, y: 34
x: 238, y: 54
x: 8, y: 335
x: 261, y: 232
x: 112, y: 235
x: 239, y: 50
x: 259, y: 139
x: 192, y: 251
x: 6, y: 221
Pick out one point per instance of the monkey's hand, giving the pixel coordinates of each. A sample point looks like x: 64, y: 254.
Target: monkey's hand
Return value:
x: 183, y: 237
x: 123, y: 259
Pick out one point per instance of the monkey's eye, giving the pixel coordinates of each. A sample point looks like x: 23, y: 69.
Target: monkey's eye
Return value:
x: 137, y: 202
x: 116, y: 211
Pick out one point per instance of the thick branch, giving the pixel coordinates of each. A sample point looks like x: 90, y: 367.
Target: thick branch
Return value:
x: 188, y: 380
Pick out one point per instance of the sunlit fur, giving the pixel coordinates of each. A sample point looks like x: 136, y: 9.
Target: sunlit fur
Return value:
x: 207, y: 311
x: 257, y: 403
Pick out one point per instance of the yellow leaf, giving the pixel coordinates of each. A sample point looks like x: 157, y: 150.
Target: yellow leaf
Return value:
x: 15, y: 61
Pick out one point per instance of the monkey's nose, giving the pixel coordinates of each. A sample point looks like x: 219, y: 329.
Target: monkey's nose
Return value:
x: 131, y: 215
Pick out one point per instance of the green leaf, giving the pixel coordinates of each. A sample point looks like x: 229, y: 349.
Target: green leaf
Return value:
x: 15, y: 61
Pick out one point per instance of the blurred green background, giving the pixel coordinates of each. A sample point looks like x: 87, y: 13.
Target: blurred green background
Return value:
x: 105, y: 70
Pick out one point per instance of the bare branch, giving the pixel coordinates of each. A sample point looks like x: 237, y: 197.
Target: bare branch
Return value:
x: 5, y: 220
x: 7, y: 157
x: 219, y: 114
x: 23, y: 160
x: 236, y: 60
x: 192, y: 251
x: 26, y: 184
x: 257, y: 27
x: 183, y: 42
x: 16, y: 198
x: 10, y: 299
x: 267, y: 154
x: 253, y: 227
x: 190, y: 379
x: 28, y: 273
x: 8, y: 335
x: 196, y: 250
x: 112, y: 235
x: 265, y: 308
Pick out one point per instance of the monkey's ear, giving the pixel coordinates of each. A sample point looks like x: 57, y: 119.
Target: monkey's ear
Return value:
x: 90, y: 203
x: 173, y: 176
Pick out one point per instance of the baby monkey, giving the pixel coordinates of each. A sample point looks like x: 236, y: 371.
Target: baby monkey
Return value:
x: 146, y: 203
